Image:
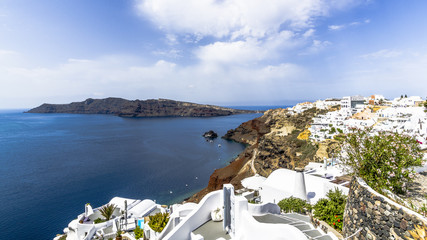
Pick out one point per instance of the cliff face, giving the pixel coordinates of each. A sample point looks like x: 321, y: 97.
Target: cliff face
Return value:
x: 273, y: 143
x: 138, y: 108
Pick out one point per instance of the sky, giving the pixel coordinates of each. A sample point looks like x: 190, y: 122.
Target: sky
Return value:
x: 223, y: 52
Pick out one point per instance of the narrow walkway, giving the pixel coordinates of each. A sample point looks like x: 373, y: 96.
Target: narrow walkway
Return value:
x: 211, y: 231
x: 253, y: 160
x: 299, y: 221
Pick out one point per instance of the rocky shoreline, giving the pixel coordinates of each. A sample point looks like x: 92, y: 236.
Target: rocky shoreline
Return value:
x: 273, y: 141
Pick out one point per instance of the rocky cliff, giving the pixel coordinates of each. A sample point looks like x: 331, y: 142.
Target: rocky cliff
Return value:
x: 273, y: 143
x: 138, y: 108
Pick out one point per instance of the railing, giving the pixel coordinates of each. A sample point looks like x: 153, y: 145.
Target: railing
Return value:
x: 354, y: 234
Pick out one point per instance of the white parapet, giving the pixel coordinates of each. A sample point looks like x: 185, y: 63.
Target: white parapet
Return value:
x: 248, y: 228
x: 200, y: 215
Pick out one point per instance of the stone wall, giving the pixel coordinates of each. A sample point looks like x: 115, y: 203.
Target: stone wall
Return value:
x: 377, y: 216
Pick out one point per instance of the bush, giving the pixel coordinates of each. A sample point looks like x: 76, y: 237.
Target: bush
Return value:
x: 383, y: 160
x: 99, y: 220
x: 139, y: 233
x: 331, y: 209
x: 158, y: 221
x: 293, y: 204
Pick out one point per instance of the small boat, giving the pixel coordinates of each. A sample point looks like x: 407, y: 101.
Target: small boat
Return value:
x: 219, y: 145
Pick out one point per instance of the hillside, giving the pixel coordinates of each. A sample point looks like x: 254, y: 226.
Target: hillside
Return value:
x: 273, y: 142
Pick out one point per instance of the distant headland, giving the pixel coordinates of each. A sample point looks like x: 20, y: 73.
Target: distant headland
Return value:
x: 138, y: 108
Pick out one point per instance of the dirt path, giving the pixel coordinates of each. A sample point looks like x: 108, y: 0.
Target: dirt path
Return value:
x: 253, y: 160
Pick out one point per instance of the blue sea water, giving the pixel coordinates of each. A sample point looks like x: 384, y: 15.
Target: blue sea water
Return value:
x: 53, y: 164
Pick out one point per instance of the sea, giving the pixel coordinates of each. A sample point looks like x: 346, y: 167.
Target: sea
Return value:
x: 51, y: 165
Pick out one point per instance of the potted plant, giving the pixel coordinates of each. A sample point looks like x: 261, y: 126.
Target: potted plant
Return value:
x: 107, y: 211
x: 119, y: 235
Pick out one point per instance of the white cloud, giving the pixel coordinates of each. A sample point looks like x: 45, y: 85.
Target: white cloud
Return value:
x: 252, y: 50
x: 343, y: 26
x: 243, y: 31
x: 171, y: 53
x: 171, y: 39
x: 309, y: 33
x: 316, y: 47
x: 244, y: 56
x: 234, y: 18
x: 384, y: 53
x: 231, y: 52
x: 336, y: 27
x: 78, y: 79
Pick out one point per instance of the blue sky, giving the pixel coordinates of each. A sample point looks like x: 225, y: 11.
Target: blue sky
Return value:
x: 225, y: 52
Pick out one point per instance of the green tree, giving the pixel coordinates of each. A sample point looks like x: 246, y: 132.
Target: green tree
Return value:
x: 383, y: 159
x: 107, y: 211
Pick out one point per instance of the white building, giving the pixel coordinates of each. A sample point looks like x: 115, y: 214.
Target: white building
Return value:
x: 311, y: 188
x: 406, y: 101
x: 125, y: 216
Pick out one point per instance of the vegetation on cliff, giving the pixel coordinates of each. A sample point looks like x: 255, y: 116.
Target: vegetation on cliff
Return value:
x: 383, y: 160
x: 277, y: 137
x: 273, y: 143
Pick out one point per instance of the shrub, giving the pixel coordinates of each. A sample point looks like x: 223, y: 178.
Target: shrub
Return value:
x: 331, y: 209
x: 332, y: 131
x: 293, y: 204
x: 99, y: 220
x: 383, y: 159
x: 139, y: 233
x: 158, y: 221
x: 107, y: 211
